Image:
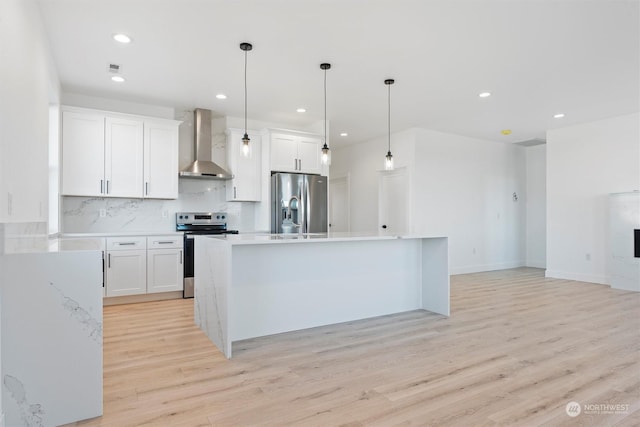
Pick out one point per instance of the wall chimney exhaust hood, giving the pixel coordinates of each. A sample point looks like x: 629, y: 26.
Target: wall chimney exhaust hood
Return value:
x: 203, y: 167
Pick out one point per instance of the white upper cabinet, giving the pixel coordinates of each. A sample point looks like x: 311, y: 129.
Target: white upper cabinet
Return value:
x: 108, y: 154
x: 309, y: 154
x: 160, y: 159
x: 284, y: 153
x: 245, y: 185
x: 83, y: 154
x: 295, y: 152
x: 123, y: 157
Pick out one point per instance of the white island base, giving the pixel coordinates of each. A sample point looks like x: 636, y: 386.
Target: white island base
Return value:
x: 248, y: 286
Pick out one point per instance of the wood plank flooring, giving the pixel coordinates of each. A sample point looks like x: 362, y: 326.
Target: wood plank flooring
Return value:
x: 517, y: 348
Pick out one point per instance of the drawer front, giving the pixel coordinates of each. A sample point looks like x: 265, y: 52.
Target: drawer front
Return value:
x: 164, y: 242
x: 126, y: 243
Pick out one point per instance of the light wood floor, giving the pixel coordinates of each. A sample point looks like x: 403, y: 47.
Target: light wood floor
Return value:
x: 516, y: 349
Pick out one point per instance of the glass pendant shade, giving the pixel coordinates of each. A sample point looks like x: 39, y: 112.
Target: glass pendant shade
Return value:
x: 246, y: 148
x: 388, y: 162
x: 326, y: 155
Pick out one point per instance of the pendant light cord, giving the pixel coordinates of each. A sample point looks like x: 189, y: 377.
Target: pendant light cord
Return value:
x: 389, y: 116
x: 245, y: 91
x: 325, y: 107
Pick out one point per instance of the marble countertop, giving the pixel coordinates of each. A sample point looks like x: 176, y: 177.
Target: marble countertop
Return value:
x: 266, y: 238
x: 122, y: 234
x: 40, y: 244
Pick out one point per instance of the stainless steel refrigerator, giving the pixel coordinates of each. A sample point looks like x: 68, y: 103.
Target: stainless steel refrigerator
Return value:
x: 298, y: 203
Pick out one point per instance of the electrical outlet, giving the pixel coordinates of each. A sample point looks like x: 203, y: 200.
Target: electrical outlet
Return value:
x: 474, y: 251
x: 103, y: 213
x: 165, y: 214
x: 587, y: 256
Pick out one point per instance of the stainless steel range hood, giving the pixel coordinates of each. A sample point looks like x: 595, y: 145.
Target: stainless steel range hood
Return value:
x: 203, y: 167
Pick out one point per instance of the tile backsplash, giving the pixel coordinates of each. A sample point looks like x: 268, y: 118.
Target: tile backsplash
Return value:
x: 83, y: 214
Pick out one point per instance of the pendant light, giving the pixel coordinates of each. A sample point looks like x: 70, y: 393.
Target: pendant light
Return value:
x: 246, y: 149
x: 388, y: 159
x: 326, y: 154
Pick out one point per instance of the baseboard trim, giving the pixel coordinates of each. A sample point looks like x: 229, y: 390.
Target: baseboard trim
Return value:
x: 536, y: 264
x: 486, y: 267
x: 555, y: 274
x: 133, y: 299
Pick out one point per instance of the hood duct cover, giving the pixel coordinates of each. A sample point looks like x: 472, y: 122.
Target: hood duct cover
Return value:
x: 203, y: 167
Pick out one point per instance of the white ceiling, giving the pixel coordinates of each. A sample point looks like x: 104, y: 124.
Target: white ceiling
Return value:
x: 536, y: 57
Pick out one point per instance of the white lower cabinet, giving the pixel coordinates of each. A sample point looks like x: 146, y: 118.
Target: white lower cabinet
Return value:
x: 164, y: 264
x: 143, y: 265
x: 126, y: 269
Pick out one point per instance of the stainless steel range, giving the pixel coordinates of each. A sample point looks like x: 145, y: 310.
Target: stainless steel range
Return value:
x: 193, y: 223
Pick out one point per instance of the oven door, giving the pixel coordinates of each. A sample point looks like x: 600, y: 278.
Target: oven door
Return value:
x: 188, y: 265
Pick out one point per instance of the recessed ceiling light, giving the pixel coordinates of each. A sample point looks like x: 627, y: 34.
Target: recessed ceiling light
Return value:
x: 221, y: 96
x: 122, y: 38
x: 506, y: 131
x: 301, y: 110
x: 484, y: 94
x: 558, y: 116
x: 117, y: 79
x: 344, y: 134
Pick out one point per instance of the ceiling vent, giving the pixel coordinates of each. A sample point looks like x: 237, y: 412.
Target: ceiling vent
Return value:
x: 114, y: 68
x: 531, y: 142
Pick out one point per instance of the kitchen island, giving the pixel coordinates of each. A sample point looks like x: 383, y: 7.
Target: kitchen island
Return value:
x: 252, y: 285
x: 51, y: 329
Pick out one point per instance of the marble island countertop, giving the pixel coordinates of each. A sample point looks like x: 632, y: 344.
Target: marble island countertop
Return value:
x: 42, y: 244
x: 267, y: 238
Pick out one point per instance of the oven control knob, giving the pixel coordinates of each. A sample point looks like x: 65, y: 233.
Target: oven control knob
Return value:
x: 223, y: 216
x: 180, y: 217
x: 217, y: 216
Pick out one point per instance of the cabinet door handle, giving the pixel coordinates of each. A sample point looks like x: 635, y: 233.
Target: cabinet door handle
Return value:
x: 107, y: 186
x: 180, y: 256
x: 146, y: 188
x: 103, y: 269
x: 299, y: 164
x: 295, y: 164
x: 109, y: 261
x: 166, y: 242
x: 126, y: 243
x: 235, y: 192
x: 101, y: 186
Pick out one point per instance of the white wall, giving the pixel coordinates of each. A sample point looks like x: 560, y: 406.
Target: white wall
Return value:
x: 584, y: 164
x: 364, y: 162
x: 464, y: 190
x: 460, y: 187
x: 536, y: 203
x: 28, y: 84
x: 109, y: 104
